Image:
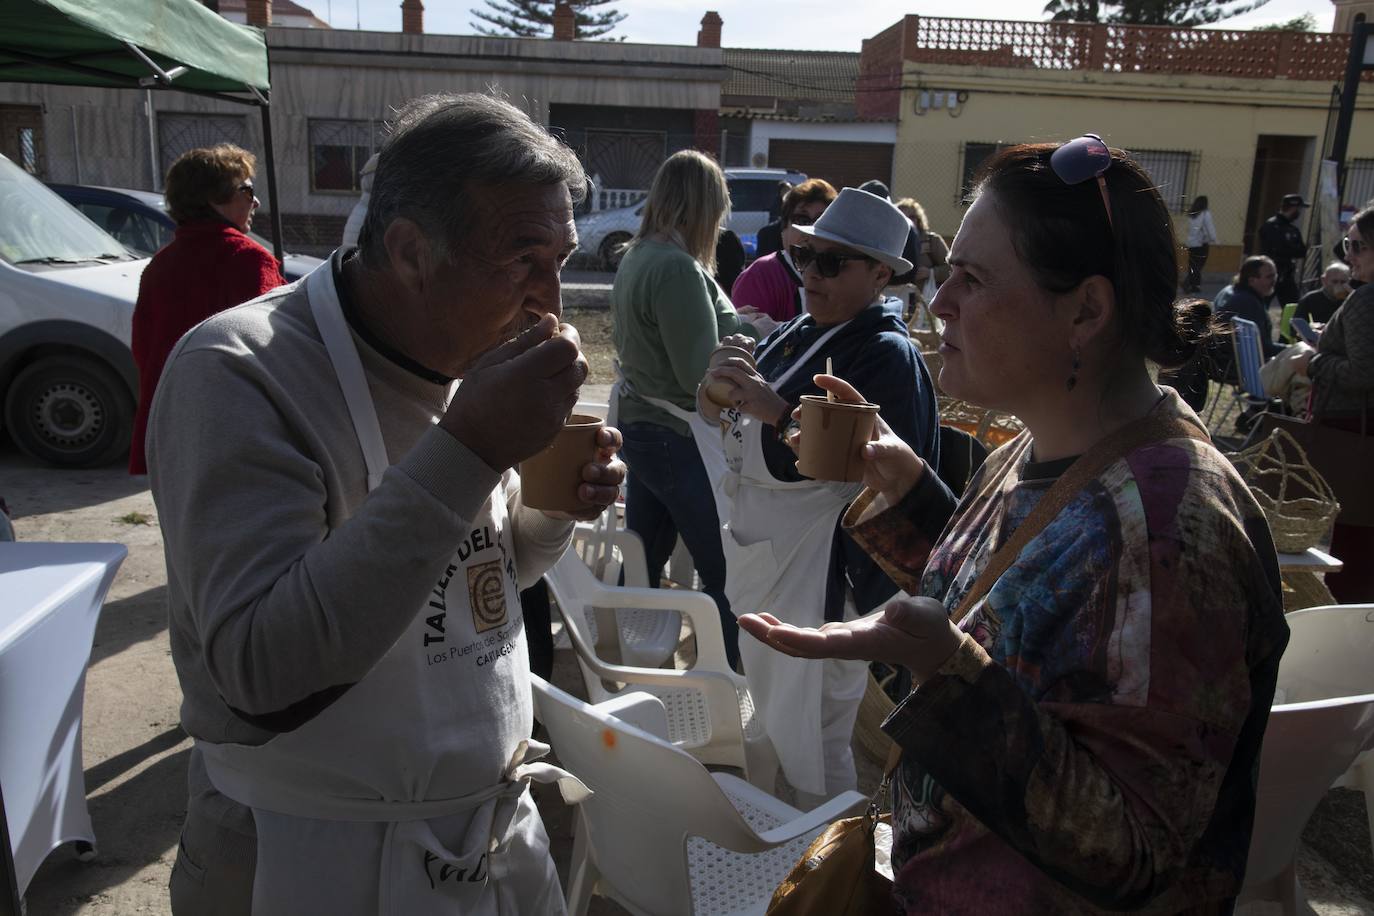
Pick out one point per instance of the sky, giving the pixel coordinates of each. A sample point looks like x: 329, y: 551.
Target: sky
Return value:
x: 820, y: 25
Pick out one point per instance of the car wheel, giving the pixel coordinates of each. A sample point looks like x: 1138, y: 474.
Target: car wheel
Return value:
x: 71, y: 411
x: 612, y: 250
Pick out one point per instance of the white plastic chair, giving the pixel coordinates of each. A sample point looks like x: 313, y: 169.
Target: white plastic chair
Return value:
x: 1322, y: 722
x: 709, y: 708
x: 660, y: 835
x: 643, y: 638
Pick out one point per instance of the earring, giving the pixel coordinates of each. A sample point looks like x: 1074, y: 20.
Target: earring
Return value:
x: 1073, y: 376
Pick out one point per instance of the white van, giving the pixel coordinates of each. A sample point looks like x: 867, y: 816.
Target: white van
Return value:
x: 68, y: 383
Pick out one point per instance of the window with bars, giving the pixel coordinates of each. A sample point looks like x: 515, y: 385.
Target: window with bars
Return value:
x: 1359, y: 183
x: 181, y: 133
x: 338, y: 152
x: 1172, y: 172
x: 975, y: 154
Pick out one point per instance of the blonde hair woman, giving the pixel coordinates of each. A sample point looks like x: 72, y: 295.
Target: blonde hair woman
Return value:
x: 667, y: 316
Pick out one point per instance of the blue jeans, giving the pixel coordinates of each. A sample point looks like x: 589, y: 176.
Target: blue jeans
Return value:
x: 668, y: 494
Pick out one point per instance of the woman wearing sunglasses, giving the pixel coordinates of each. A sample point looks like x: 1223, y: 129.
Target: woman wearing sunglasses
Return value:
x: 784, y: 552
x: 1098, y: 628
x: 1342, y: 374
x: 208, y: 266
x: 772, y: 284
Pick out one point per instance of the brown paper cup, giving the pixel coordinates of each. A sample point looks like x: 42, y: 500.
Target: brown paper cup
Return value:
x: 550, y: 479
x: 718, y: 393
x: 833, y: 435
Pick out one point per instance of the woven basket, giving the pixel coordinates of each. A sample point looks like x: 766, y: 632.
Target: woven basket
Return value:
x: 1297, y: 501
x: 875, y: 706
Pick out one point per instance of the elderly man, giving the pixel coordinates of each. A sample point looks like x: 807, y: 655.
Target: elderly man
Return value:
x: 345, y: 541
x: 1319, y: 305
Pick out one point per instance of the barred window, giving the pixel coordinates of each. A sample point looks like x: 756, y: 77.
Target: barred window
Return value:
x: 975, y: 154
x: 1172, y: 171
x: 1359, y: 184
x: 179, y: 133
x: 338, y: 152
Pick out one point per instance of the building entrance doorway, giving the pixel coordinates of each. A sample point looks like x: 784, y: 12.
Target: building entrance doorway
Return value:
x: 1283, y: 165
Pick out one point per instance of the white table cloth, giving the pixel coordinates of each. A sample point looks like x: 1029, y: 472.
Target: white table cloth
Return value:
x: 50, y: 599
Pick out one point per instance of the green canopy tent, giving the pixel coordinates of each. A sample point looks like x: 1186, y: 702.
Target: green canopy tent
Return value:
x: 141, y: 44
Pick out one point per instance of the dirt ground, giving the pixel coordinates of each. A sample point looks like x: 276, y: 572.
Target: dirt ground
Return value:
x: 135, y: 753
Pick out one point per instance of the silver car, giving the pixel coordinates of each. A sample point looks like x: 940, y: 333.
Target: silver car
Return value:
x: 604, y: 233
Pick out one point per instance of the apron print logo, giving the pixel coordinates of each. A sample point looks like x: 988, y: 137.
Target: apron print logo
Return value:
x: 487, y: 595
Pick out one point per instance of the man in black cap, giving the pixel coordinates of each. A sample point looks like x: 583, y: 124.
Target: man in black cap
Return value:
x: 913, y: 239
x: 1281, y: 240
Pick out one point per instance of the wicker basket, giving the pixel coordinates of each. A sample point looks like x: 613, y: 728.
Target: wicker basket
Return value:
x: 993, y: 428
x: 1297, y: 501
x: 875, y: 706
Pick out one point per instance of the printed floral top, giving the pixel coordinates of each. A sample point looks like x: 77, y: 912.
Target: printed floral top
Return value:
x: 1093, y: 744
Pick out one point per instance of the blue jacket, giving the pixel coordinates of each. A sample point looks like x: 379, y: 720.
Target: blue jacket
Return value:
x: 876, y: 355
x: 1243, y: 302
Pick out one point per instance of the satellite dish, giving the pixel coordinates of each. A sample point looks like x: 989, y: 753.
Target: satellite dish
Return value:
x: 760, y: 160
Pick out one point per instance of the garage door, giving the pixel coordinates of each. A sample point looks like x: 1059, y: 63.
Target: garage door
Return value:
x: 845, y: 165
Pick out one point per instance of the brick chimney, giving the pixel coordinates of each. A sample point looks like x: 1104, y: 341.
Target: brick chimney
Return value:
x: 260, y: 13
x: 709, y: 36
x: 564, y: 23
x: 412, y: 17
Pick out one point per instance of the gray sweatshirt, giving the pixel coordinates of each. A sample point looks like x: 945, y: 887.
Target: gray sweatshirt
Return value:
x: 287, y: 580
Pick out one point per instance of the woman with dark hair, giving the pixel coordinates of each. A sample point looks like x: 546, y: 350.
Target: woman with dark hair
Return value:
x: 1202, y: 234
x: 1248, y: 297
x: 209, y: 265
x: 772, y: 284
x: 1342, y: 374
x: 1083, y: 736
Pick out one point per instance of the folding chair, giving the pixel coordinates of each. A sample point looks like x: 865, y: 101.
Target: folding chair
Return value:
x: 1249, y: 356
x: 1286, y: 323
x: 660, y: 835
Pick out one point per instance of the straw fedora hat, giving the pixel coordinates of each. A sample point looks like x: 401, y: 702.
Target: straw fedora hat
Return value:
x: 867, y: 223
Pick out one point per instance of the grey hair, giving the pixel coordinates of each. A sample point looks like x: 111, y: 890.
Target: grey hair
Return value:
x: 441, y: 145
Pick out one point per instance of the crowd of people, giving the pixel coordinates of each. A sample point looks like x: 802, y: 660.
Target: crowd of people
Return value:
x: 1089, y: 633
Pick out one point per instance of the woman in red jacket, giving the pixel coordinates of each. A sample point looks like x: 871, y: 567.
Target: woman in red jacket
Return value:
x: 210, y: 265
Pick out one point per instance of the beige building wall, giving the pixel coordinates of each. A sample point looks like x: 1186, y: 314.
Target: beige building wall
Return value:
x: 1219, y: 120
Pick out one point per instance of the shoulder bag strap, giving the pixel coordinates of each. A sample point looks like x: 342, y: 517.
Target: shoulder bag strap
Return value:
x: 1116, y: 446
x: 1119, y: 444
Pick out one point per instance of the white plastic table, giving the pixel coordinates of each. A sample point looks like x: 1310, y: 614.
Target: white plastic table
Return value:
x: 50, y: 599
x: 1310, y: 560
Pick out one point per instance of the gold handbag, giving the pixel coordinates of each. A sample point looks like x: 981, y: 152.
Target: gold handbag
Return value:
x: 837, y: 867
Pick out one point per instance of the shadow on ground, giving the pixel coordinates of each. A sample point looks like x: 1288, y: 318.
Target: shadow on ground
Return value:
x: 128, y: 621
x: 22, y: 478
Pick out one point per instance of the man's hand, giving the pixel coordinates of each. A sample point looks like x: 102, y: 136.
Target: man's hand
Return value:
x: 914, y: 632
x: 761, y: 321
x: 744, y: 342
x: 890, y: 466
x: 601, y: 479
x: 516, y: 398
x: 751, y: 393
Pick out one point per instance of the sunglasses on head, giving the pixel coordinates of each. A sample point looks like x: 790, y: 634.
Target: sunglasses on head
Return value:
x: 1351, y: 247
x: 828, y: 263
x: 1083, y: 160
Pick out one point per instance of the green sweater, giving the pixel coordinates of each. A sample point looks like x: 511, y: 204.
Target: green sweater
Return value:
x: 667, y: 315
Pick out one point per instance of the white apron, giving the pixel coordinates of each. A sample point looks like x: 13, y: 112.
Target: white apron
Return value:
x: 369, y: 807
x: 777, y: 536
